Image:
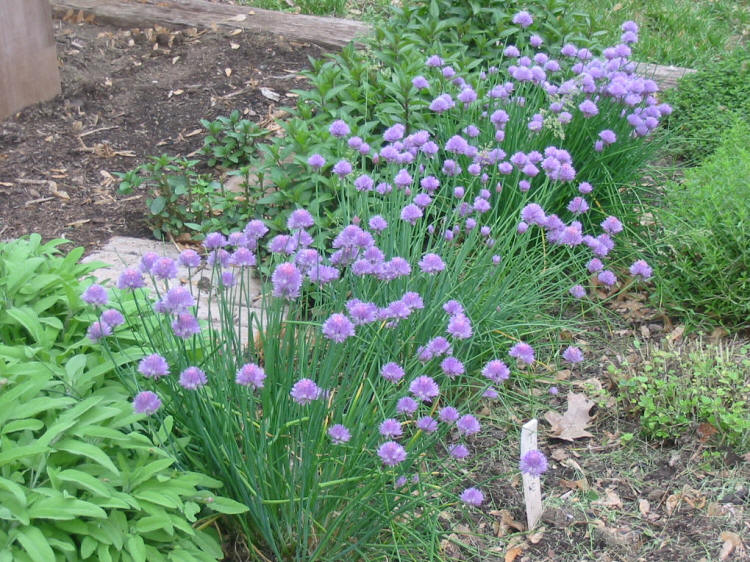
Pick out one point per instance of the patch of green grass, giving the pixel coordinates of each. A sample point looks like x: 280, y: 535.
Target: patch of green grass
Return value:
x: 672, y: 390
x: 365, y: 9
x: 703, y: 250
x: 678, y: 32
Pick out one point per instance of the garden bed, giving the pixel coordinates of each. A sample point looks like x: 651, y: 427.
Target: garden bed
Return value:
x: 127, y: 95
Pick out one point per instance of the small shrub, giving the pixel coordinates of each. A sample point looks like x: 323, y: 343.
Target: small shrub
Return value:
x: 672, y: 390
x: 704, y: 241
x: 230, y: 142
x: 706, y: 103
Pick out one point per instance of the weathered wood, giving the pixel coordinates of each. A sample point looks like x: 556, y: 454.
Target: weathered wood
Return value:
x: 666, y: 76
x: 532, y: 485
x: 28, y: 59
x: 327, y: 32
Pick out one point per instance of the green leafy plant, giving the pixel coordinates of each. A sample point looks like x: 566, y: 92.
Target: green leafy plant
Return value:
x: 181, y: 200
x: 673, y: 389
x: 703, y: 243
x: 231, y: 141
x: 705, y: 105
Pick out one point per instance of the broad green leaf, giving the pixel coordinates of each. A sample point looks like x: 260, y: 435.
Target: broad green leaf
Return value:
x: 88, y: 547
x: 85, y: 480
x: 137, y: 548
x: 226, y: 505
x: 22, y: 452
x: 141, y: 474
x: 60, y: 507
x: 22, y: 425
x: 28, y: 319
x: 33, y: 542
x: 154, y: 522
x: 155, y: 497
x: 86, y: 450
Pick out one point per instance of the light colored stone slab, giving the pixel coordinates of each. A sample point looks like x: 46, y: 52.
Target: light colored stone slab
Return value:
x: 532, y: 485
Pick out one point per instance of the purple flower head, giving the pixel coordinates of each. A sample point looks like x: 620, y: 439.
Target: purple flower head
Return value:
x: 95, y: 294
x: 496, y: 370
x: 490, y: 393
x: 608, y: 136
x: 453, y: 307
x: 342, y: 168
x: 458, y: 451
x: 523, y: 18
x: 339, y: 129
x: 594, y: 265
x: 250, y: 374
x: 164, y: 268
x: 178, y: 299
x: 642, y: 269
x: 536, y: 41
x: 378, y: 223
x: 413, y: 300
x: 411, y: 213
x: 511, y: 51
x: 607, y: 278
x: 390, y: 428
x: 364, y: 183
x: 146, y: 402
x: 287, y: 281
x: 98, y: 330
x: 185, y: 325
x: 214, y: 241
x: 189, y: 258
x: 448, y: 414
x: 402, y: 179
x: 153, y: 366
x: 630, y: 26
x: 428, y: 424
x: 362, y: 312
x: 112, y: 318
x: 130, y: 278
x: 305, y: 391
x: 431, y: 263
x: 434, y: 60
x: 523, y: 352
x: 452, y: 367
x: 354, y: 142
x: 300, y: 218
x: 585, y: 187
x: 422, y: 200
x: 467, y: 425
x: 467, y: 96
x: 192, y: 378
x: 611, y: 225
x: 442, y: 103
x: 147, y: 262
x: 578, y: 291
x: 242, y: 257
x: 420, y: 82
x: 573, y: 354
x: 459, y: 326
x: 588, y: 108
x: 316, y: 161
x: 255, y: 230
x: 438, y: 346
x: 424, y: 388
x: 533, y: 214
x: 338, y: 328
x: 227, y: 279
x: 391, y: 453
x: 394, y: 133
x: 533, y: 463
x: 406, y: 405
x: 448, y: 72
x: 392, y: 372
x: 339, y: 434
x: 220, y: 256
x: 578, y: 205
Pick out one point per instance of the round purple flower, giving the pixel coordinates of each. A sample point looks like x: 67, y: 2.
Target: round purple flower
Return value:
x: 468, y: 425
x: 452, y: 367
x: 611, y: 225
x: 392, y: 372
x: 242, y: 257
x: 316, y: 161
x: 642, y: 269
x: 578, y: 291
x: 458, y: 451
x: 522, y: 352
x: 578, y: 205
x: 496, y: 370
x: 338, y: 327
x: 434, y: 60
x: 192, y: 378
x: 420, y: 82
x: 112, y: 318
x: 146, y: 402
x: 339, y: 129
x: 472, y: 496
x: 431, y: 263
x: 305, y: 391
x: 428, y: 424
x: 98, y: 330
x: 185, y: 325
x: 406, y: 405
x: 287, y: 281
x: 533, y: 463
x: 394, y: 133
x: 448, y: 414
x: 536, y: 41
x: 96, y: 295
x: 573, y: 354
x: 339, y: 434
x: 364, y: 183
x: 594, y: 265
x: 189, y: 258
x: 523, y: 18
x: 250, y: 374
x: 585, y: 187
x: 300, y: 218
x: 178, y: 299
x: 391, y: 453
x: 153, y: 366
x: 164, y: 268
x: 342, y: 168
x: 130, y: 278
x: 424, y: 388
x: 214, y: 241
x: 607, y: 278
x: 378, y: 223
x: 390, y: 428
x: 453, y: 307
x: 588, y: 108
x: 410, y: 213
x: 459, y: 327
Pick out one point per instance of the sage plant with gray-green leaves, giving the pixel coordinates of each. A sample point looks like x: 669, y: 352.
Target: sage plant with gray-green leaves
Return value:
x: 340, y: 412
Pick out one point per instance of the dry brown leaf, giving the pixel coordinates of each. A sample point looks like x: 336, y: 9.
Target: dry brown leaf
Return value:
x: 732, y: 543
x: 534, y: 538
x: 572, y: 425
x: 581, y: 484
x: 559, y: 454
x: 611, y: 499
x: 513, y: 553
x: 676, y: 334
x: 270, y: 94
x: 644, y: 506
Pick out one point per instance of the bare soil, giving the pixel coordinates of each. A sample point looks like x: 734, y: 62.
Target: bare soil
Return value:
x: 127, y: 95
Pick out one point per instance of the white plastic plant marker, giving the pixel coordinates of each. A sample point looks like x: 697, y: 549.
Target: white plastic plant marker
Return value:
x: 532, y: 485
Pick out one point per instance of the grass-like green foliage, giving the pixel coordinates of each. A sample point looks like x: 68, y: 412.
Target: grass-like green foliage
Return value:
x: 79, y: 478
x: 705, y: 104
x: 684, y: 33
x: 672, y: 390
x: 704, y: 237
x: 364, y: 9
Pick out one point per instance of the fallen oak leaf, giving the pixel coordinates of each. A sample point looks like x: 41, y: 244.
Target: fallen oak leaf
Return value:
x: 572, y: 424
x: 732, y: 542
